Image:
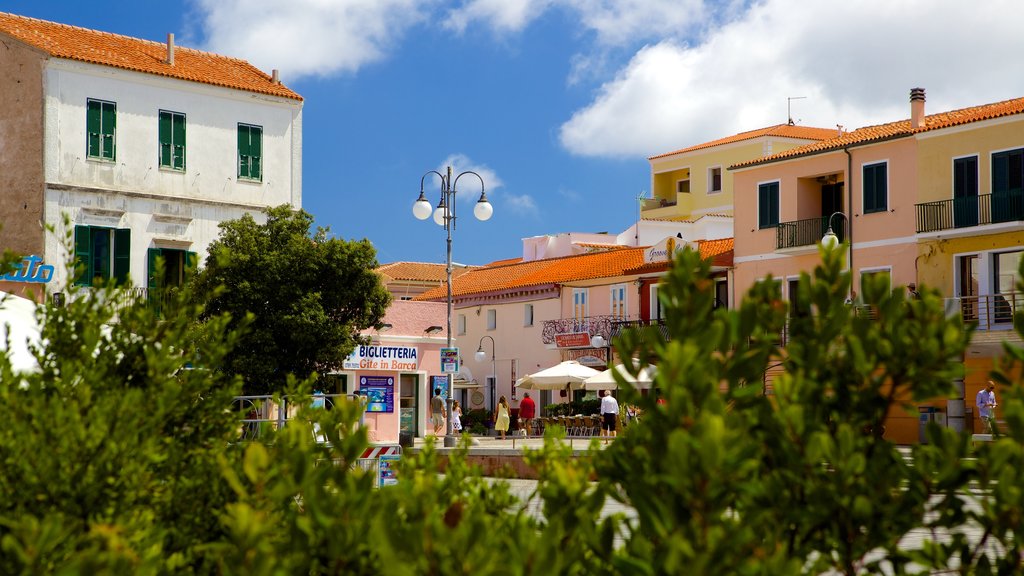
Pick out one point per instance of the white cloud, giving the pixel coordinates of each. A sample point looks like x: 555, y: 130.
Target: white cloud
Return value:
x: 502, y: 15
x: 854, y: 61
x: 308, y: 37
x: 467, y: 186
x: 522, y: 204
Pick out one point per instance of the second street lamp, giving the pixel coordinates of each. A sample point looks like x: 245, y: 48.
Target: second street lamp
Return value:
x: 480, y: 357
x: 444, y: 215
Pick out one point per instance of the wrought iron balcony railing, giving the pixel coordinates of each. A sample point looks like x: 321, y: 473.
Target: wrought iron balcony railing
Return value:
x: 804, y: 232
x: 969, y: 211
x: 988, y: 311
x: 592, y: 325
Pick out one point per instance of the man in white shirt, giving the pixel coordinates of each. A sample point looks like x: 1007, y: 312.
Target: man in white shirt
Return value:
x: 986, y: 403
x: 609, y: 415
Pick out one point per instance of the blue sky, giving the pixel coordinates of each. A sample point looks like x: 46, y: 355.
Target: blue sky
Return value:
x: 558, y: 103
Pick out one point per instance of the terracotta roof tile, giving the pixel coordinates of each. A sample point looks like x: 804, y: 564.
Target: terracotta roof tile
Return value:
x: 125, y: 52
x: 779, y: 131
x: 898, y: 129
x: 541, y: 272
x: 712, y: 248
x: 719, y: 251
x: 419, y: 271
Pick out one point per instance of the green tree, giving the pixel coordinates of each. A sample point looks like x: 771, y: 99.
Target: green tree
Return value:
x: 304, y: 298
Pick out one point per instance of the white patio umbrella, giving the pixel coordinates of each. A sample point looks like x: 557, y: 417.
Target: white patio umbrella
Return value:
x: 569, y: 374
x: 18, y: 324
x: 606, y: 380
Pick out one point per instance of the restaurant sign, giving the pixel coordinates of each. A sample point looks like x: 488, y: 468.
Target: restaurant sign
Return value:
x: 593, y: 357
x: 31, y: 270
x: 665, y: 250
x: 375, y: 357
x: 573, y: 340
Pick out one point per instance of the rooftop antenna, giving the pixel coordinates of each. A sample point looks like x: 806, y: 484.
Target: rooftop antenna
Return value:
x: 789, y: 107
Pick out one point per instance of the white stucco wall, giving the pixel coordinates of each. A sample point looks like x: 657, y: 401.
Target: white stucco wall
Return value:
x: 164, y: 208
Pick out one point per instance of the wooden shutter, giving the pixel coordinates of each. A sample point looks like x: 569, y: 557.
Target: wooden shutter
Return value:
x: 152, y: 274
x: 83, y: 256
x: 108, y: 119
x: 256, y: 150
x: 178, y: 140
x: 165, y: 138
x: 191, y: 263
x: 122, y: 254
x: 93, y: 127
x: 243, y: 151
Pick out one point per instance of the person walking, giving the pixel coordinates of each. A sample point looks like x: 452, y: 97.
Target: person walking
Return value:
x: 986, y: 403
x: 501, y: 417
x: 527, y: 412
x: 609, y: 415
x: 457, y: 417
x: 437, y: 412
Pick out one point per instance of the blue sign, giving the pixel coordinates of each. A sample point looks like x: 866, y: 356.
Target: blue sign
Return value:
x: 379, y: 392
x: 31, y: 270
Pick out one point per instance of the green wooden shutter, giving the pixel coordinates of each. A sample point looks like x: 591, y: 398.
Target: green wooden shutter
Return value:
x: 243, y: 151
x: 92, y: 128
x: 165, y: 138
x: 256, y: 150
x: 152, y: 274
x: 109, y: 125
x: 191, y: 263
x: 83, y: 256
x: 122, y: 254
x: 179, y: 141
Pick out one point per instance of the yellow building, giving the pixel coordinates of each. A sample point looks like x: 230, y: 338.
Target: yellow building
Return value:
x: 692, y: 182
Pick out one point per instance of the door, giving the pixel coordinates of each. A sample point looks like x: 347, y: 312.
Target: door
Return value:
x: 832, y: 202
x: 967, y: 286
x: 965, y: 192
x: 721, y: 294
x: 409, y: 404
x: 1008, y: 186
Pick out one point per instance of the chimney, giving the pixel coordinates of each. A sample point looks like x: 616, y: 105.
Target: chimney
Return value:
x: 916, y: 108
x: 275, y: 76
x: 170, y: 49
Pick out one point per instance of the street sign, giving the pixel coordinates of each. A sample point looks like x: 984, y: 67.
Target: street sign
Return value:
x: 449, y: 360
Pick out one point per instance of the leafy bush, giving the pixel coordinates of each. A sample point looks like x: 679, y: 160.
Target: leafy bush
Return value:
x: 114, y: 460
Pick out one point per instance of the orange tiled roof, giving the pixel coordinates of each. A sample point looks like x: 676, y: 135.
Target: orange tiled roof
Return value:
x: 779, y: 131
x: 899, y: 129
x: 505, y: 261
x: 541, y: 272
x: 712, y: 248
x: 419, y: 271
x: 125, y: 52
x: 602, y: 245
x: 719, y: 251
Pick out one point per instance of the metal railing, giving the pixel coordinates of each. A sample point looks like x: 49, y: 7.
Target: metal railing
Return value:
x: 969, y: 211
x: 988, y: 311
x: 262, y: 412
x: 618, y: 326
x: 592, y: 325
x: 122, y: 298
x: 804, y: 232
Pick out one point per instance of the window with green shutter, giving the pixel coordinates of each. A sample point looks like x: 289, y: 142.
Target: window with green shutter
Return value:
x: 178, y: 267
x: 172, y: 140
x: 876, y: 187
x: 768, y: 205
x: 250, y: 152
x: 102, y: 254
x: 100, y: 125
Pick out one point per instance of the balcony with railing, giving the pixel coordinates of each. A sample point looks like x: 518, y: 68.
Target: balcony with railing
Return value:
x: 988, y: 312
x: 807, y: 232
x: 653, y: 203
x: 592, y: 325
x: 970, y: 211
x: 123, y: 298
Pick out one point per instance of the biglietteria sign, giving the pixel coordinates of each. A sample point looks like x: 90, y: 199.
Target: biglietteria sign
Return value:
x: 398, y: 358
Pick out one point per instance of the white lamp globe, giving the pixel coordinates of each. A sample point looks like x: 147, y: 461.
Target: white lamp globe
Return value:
x: 483, y: 209
x: 598, y: 341
x: 421, y: 209
x: 829, y: 240
x: 439, y: 215
x: 480, y: 355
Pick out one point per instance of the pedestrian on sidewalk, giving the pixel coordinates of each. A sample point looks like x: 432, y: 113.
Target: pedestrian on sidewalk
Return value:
x: 437, y: 412
x: 986, y: 403
x: 501, y: 417
x: 527, y: 412
x: 609, y: 415
x: 456, y: 417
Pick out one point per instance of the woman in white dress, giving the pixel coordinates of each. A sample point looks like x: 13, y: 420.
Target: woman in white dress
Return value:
x: 501, y: 417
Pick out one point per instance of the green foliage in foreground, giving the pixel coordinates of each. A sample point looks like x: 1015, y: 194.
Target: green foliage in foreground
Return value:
x: 115, y: 460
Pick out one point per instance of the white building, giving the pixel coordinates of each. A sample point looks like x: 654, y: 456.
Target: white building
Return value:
x: 142, y: 146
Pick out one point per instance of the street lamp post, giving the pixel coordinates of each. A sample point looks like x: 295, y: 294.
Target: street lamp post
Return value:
x: 480, y: 357
x: 444, y: 215
x: 830, y: 240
